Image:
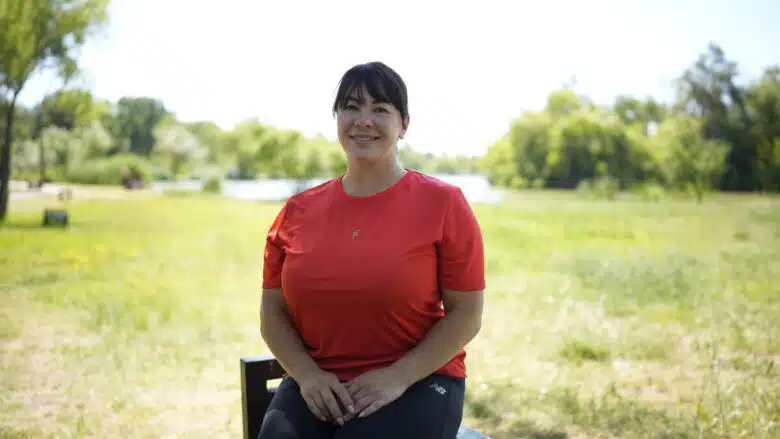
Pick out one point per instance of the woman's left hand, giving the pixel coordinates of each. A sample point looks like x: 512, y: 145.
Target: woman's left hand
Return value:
x: 374, y: 390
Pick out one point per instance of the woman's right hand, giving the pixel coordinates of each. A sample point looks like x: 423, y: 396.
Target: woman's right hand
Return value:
x: 323, y: 392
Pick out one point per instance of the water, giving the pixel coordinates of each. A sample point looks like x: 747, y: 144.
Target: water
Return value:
x: 476, y: 188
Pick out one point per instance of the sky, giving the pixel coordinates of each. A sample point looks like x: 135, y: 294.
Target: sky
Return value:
x: 470, y: 68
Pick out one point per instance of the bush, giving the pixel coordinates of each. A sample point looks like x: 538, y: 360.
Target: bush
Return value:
x: 213, y: 185
x: 161, y: 173
x: 109, y: 170
x: 651, y: 191
x: 585, y: 188
x: 602, y: 188
x: 52, y: 174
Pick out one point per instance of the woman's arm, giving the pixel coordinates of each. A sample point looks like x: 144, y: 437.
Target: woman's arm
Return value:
x: 319, y: 389
x: 461, y: 323
x: 281, y: 337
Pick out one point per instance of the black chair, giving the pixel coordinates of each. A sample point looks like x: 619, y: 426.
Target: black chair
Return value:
x: 256, y: 395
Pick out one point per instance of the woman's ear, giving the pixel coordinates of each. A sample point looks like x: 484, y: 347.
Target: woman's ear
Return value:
x: 404, y: 127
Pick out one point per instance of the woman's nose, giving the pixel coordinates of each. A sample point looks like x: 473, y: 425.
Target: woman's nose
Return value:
x: 364, y: 120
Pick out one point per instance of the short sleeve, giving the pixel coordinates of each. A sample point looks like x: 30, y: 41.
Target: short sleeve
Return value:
x: 273, y: 257
x: 460, y: 250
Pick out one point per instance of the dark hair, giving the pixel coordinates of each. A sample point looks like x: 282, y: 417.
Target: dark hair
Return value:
x: 382, y: 83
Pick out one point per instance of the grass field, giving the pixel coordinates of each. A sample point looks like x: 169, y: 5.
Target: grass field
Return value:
x: 603, y: 319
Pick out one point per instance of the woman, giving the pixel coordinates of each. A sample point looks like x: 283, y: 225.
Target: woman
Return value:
x: 372, y: 286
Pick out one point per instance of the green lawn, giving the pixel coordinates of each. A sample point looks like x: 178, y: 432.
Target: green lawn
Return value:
x: 604, y: 319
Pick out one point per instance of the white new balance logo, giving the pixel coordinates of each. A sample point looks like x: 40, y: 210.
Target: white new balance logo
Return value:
x: 438, y: 388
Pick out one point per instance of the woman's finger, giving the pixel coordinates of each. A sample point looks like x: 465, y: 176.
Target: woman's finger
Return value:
x: 346, y: 399
x: 315, y: 407
x: 331, y: 405
x: 376, y: 405
x: 356, y: 391
x: 362, y: 403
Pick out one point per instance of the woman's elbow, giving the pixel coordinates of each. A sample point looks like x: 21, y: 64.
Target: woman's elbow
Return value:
x: 263, y: 325
x: 475, y: 325
x: 263, y: 328
x: 470, y: 319
x: 269, y: 320
x: 468, y: 306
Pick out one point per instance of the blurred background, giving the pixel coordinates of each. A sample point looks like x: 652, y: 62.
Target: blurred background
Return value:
x: 623, y: 159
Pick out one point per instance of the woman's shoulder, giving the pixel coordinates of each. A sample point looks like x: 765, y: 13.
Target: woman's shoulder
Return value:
x: 435, y: 188
x: 297, y: 205
x: 314, y: 193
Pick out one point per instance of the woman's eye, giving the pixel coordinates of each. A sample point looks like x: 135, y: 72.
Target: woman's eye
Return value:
x: 381, y: 109
x: 350, y: 107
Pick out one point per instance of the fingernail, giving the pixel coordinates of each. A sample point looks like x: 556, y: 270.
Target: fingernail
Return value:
x: 351, y: 409
x: 340, y: 421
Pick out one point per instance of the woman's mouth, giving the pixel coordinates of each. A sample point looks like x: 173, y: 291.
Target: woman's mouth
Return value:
x: 363, y: 139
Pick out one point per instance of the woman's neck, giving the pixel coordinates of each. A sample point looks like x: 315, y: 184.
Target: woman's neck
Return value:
x: 369, y: 179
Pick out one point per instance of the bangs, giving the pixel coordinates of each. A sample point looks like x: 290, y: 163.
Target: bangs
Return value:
x: 353, y: 88
x: 380, y: 81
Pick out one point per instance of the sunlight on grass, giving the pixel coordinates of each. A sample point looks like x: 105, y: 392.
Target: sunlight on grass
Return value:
x: 603, y: 319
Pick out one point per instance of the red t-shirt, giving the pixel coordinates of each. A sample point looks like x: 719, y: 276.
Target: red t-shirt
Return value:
x: 362, y: 275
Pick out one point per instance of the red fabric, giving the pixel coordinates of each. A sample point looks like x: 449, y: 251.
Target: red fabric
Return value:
x: 362, y: 275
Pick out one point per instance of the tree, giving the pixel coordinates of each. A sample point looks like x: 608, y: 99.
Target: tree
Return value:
x: 688, y: 160
x: 62, y: 149
x: 708, y: 90
x: 763, y: 102
x: 136, y: 119
x: 176, y: 145
x: 38, y: 34
x: 210, y: 136
x: 68, y: 110
x: 95, y: 139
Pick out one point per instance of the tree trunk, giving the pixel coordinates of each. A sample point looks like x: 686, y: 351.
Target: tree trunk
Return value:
x: 41, y: 163
x: 5, y: 159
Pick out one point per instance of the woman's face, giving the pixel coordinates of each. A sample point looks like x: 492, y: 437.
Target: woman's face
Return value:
x: 367, y: 129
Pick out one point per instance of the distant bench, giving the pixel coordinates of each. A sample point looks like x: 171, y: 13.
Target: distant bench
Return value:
x: 256, y: 395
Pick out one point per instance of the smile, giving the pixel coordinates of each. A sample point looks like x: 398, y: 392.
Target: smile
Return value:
x: 363, y: 138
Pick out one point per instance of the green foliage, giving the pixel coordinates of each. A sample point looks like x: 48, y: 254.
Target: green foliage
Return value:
x: 500, y: 166
x: 444, y: 164
x: 717, y: 135
x: 69, y: 109
x: 35, y: 34
x: 566, y: 145
x: 134, y: 121
x: 763, y: 102
x: 650, y: 191
x: 178, y: 148
x: 601, y: 188
x: 213, y: 185
x: 161, y: 172
x: 35, y: 31
x: 688, y: 161
x: 109, y: 170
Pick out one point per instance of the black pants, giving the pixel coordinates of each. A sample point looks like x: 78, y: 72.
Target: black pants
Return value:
x: 432, y: 408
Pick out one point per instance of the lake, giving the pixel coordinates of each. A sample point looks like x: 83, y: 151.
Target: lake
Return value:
x: 476, y: 188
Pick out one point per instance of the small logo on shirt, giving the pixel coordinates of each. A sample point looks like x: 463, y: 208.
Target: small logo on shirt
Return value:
x: 355, y: 233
